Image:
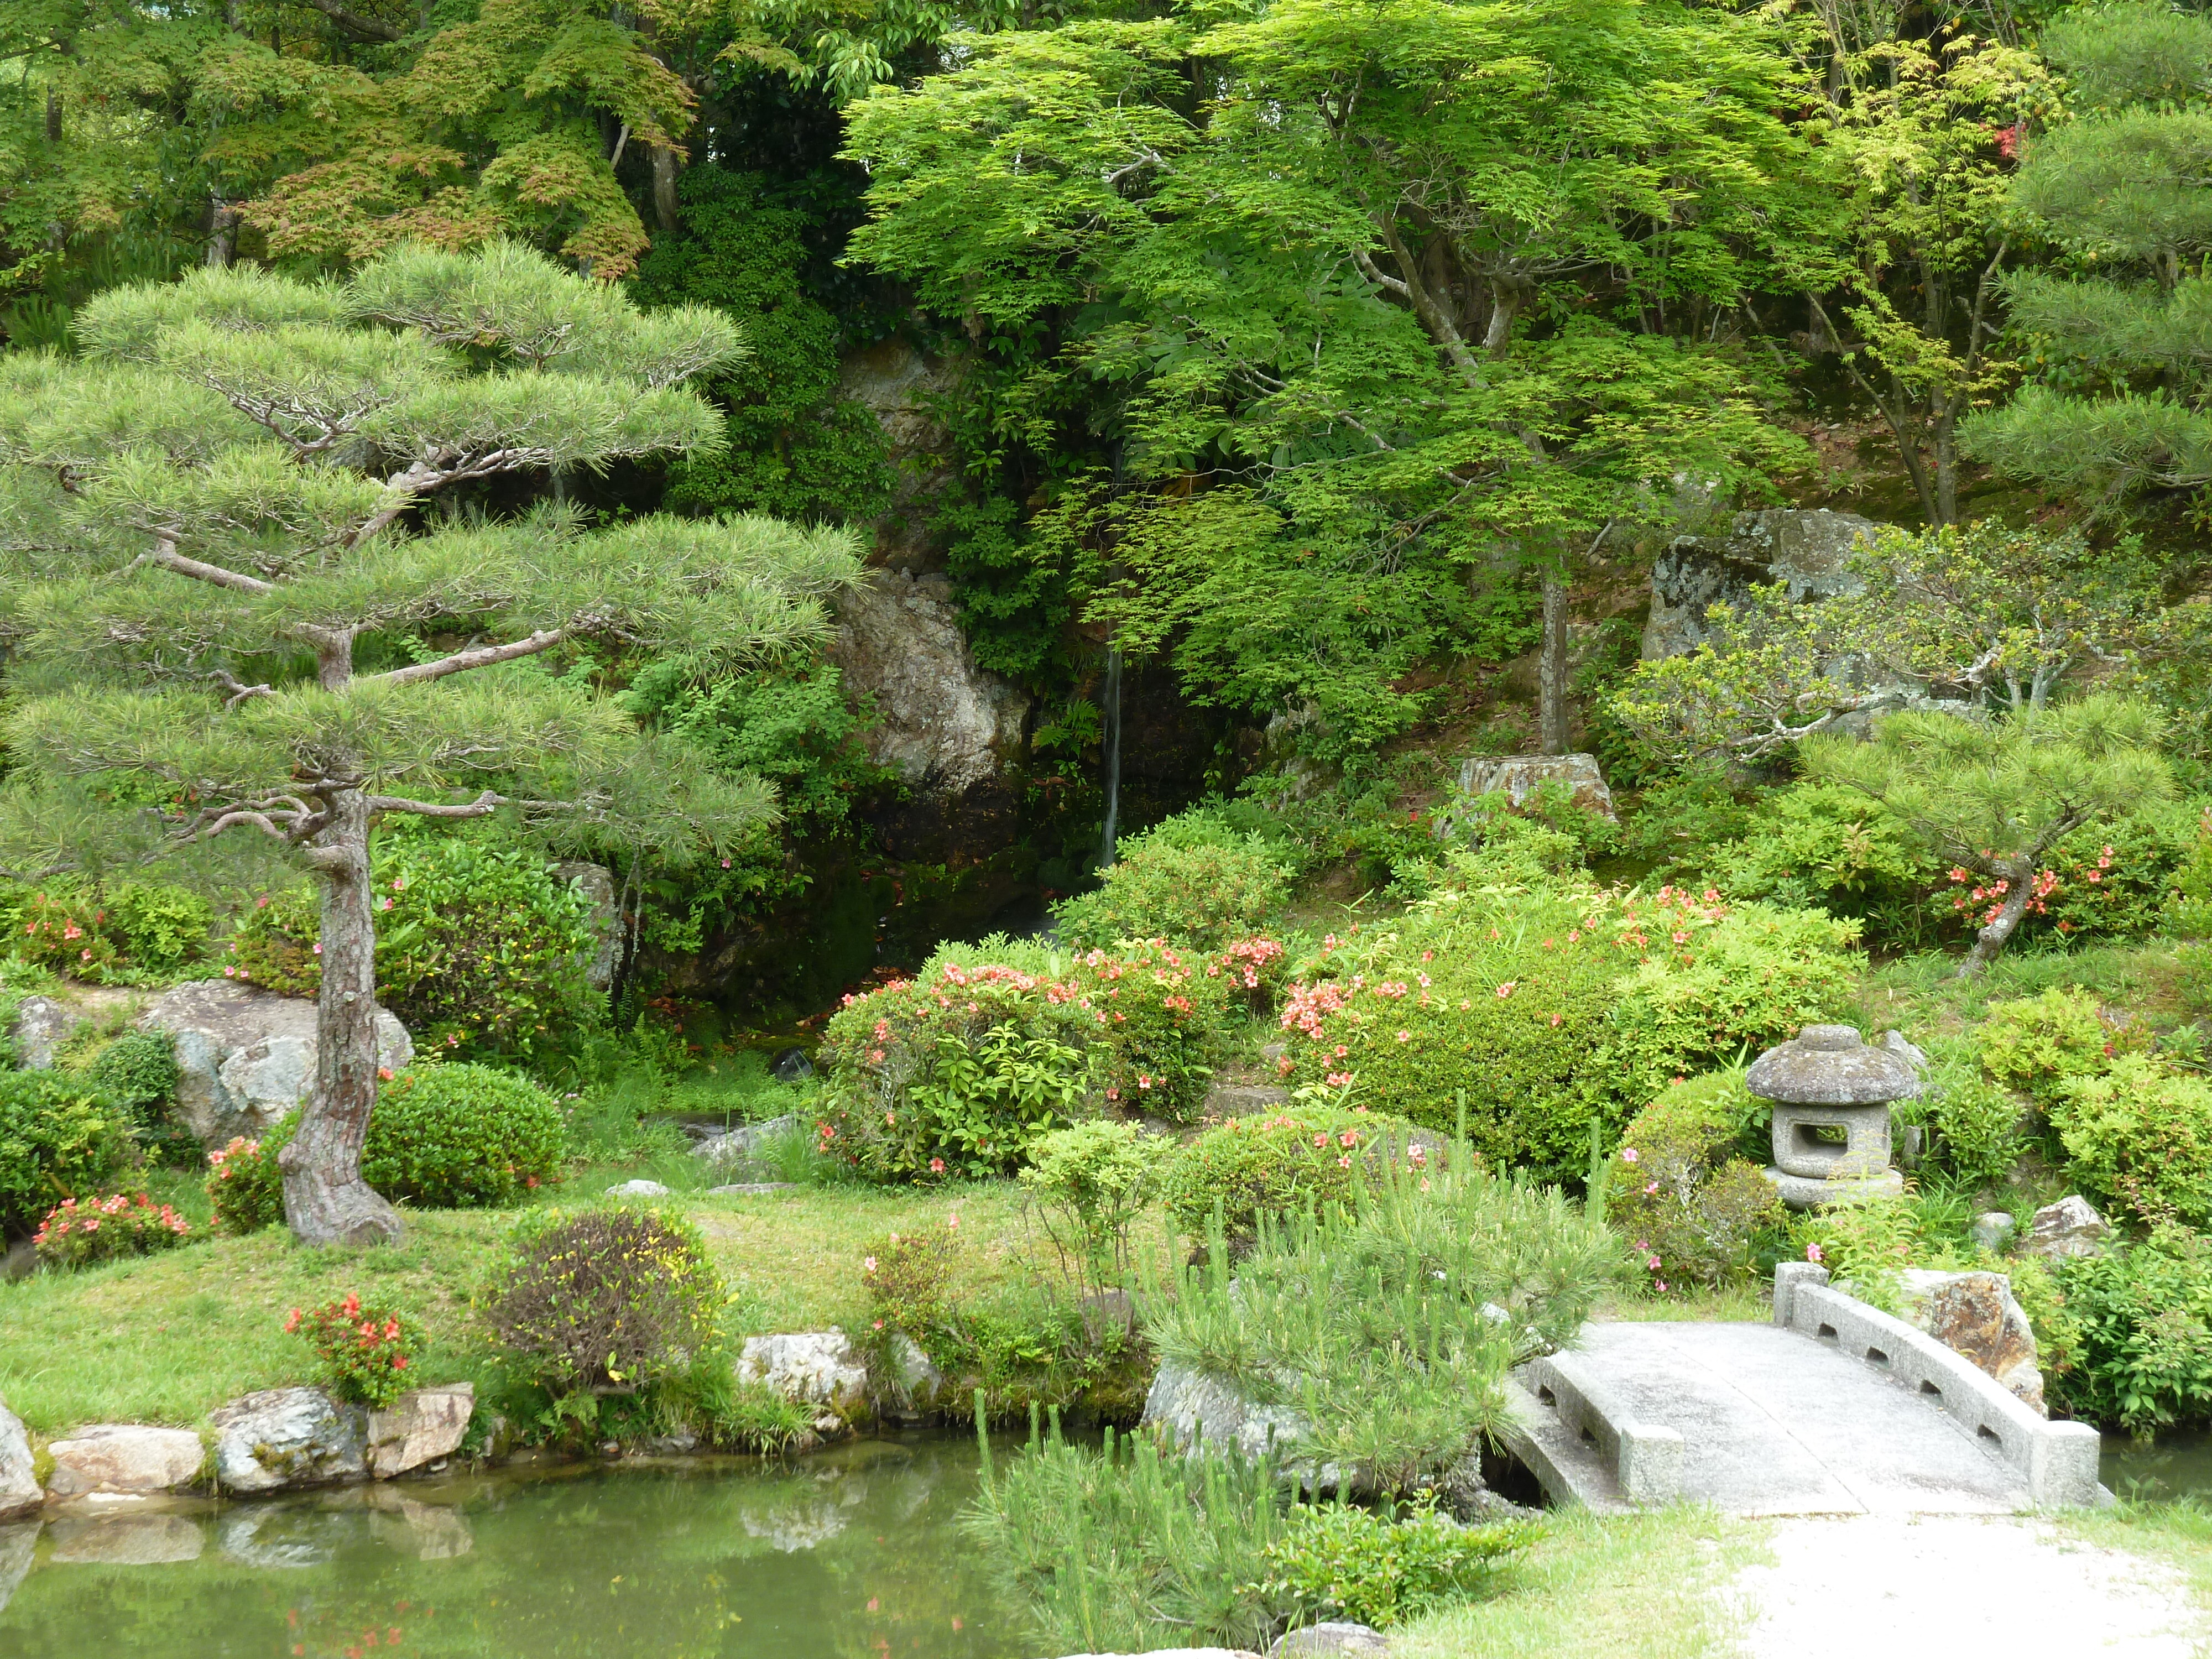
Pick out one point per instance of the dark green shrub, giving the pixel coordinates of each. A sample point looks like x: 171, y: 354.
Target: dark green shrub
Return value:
x: 449, y: 1137
x: 1336, y: 1562
x: 479, y: 951
x: 1978, y: 1134
x: 60, y: 1137
x: 1190, y: 880
x: 1689, y: 1206
x: 137, y: 1070
x: 1307, y: 1155
x: 2140, y: 1136
x: 1820, y: 844
x: 604, y: 1300
x: 2038, y: 1044
x: 2144, y: 1314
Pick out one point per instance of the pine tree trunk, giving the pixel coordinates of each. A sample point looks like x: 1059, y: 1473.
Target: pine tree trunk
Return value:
x: 664, y: 188
x: 325, y: 1199
x: 1551, y: 668
x: 223, y: 234
x: 1993, y: 935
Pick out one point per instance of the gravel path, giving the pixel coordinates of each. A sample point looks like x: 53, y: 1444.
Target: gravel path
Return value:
x: 1883, y: 1587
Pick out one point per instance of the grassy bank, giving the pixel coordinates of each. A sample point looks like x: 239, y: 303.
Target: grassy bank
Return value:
x: 166, y: 1338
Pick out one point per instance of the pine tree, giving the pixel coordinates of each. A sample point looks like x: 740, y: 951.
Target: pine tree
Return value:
x: 2122, y: 321
x: 252, y: 585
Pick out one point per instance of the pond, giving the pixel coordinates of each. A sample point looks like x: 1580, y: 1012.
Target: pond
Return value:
x: 2174, y: 1466
x: 853, y: 1551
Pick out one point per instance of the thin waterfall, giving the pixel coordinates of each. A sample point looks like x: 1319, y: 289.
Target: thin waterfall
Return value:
x: 1110, y: 736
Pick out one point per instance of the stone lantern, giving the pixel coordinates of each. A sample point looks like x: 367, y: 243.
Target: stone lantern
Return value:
x: 1828, y: 1083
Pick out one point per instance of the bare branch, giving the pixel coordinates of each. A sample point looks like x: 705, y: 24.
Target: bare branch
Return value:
x: 165, y: 554
x: 225, y: 680
x: 482, y: 656
x: 482, y: 806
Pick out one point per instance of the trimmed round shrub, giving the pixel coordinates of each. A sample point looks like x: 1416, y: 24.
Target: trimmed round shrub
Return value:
x: 1166, y: 1009
x: 61, y: 1137
x: 1190, y: 879
x: 1304, y: 1157
x: 457, y: 1137
x: 604, y: 1300
x: 2038, y: 1044
x: 480, y: 951
x: 451, y: 1137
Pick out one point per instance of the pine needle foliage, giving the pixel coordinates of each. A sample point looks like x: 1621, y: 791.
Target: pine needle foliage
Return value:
x: 231, y: 599
x: 1388, y: 1326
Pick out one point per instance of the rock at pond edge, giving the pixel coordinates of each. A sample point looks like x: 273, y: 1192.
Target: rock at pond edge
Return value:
x: 281, y: 1437
x: 20, y: 1492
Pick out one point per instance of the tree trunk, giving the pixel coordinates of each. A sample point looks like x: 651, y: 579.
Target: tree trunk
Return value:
x: 664, y: 188
x: 1552, y: 667
x: 1993, y: 935
x: 223, y: 234
x: 325, y: 1199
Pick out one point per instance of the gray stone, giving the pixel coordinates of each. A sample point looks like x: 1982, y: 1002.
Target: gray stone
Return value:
x: 19, y: 1261
x: 1518, y: 777
x: 1227, y: 1100
x: 915, y: 1382
x: 902, y: 388
x: 1992, y: 1230
x: 246, y: 1056
x: 1974, y: 1313
x: 127, y: 1540
x: 281, y: 1437
x: 1806, y: 552
x: 2068, y: 1228
x: 1326, y: 1641
x: 1800, y: 1151
x: 18, y: 1546
x: 738, y: 1150
x: 1807, y: 1192
x: 595, y: 883
x: 41, y: 1026
x: 1894, y: 1043
x: 944, y: 725
x: 123, y: 1457
x: 793, y: 1065
x: 637, y: 1189
x: 752, y: 1188
x: 816, y: 1368
x: 1196, y: 1409
x: 1174, y: 1653
x: 421, y: 1426
x: 20, y: 1492
x: 1830, y: 1066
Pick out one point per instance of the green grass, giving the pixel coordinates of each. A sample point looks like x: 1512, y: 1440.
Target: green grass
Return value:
x: 1615, y: 1586
x: 167, y: 1338
x: 2179, y: 1535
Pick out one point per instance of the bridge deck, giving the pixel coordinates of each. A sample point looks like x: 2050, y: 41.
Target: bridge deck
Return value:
x: 1775, y: 1423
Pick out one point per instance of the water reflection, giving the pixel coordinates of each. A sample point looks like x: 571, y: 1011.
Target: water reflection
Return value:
x: 850, y: 1553
x: 2174, y: 1466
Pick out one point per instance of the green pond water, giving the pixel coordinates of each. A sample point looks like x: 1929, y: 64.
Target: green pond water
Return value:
x: 2174, y: 1466
x: 850, y: 1552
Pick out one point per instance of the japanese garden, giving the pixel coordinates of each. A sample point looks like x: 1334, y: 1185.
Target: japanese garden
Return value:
x: 1221, y: 827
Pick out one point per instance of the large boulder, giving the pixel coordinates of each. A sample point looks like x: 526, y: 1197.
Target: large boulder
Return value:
x: 944, y: 725
x: 281, y: 1437
x: 904, y: 389
x: 41, y: 1025
x: 1194, y: 1407
x: 1518, y: 777
x: 419, y: 1428
x: 123, y: 1457
x: 1808, y: 551
x: 1974, y: 1313
x: 821, y: 1369
x: 246, y: 1056
x: 20, y: 1492
x: 596, y: 884
x: 2068, y: 1228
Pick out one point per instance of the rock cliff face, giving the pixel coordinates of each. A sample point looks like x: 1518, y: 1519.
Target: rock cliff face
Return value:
x: 898, y: 386
x: 1806, y: 550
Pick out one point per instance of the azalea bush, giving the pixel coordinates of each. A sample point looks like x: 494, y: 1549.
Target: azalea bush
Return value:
x: 1546, y: 1009
x: 2143, y: 1313
x: 78, y: 1233
x: 1310, y: 1154
x: 2039, y: 1044
x: 1164, y: 1010
x: 367, y: 1350
x: 245, y: 1189
x: 105, y: 934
